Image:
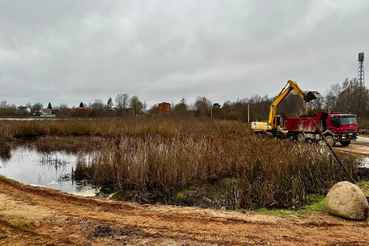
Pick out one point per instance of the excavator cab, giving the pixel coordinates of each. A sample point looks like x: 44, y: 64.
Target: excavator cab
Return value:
x: 278, y: 121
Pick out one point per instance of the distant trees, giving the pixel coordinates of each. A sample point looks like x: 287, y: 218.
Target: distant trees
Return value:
x: 135, y: 104
x: 97, y: 105
x: 154, y: 110
x: 49, y: 106
x: 202, y: 105
x: 7, y: 109
x: 349, y: 96
x: 36, y: 107
x: 121, y: 101
x: 181, y: 109
x: 292, y: 106
x: 121, y: 104
x: 63, y: 106
x: 109, y: 104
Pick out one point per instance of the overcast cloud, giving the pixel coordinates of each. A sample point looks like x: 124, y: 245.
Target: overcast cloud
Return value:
x: 68, y: 51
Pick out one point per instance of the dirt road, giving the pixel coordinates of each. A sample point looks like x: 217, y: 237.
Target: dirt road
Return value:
x: 358, y: 147
x: 38, y: 216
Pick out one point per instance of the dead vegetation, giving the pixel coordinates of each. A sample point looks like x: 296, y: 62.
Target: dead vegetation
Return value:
x: 164, y: 157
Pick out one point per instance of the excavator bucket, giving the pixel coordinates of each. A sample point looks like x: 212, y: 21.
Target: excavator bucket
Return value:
x: 311, y: 95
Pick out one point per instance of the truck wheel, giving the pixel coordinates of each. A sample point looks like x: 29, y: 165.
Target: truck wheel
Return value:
x: 345, y: 143
x: 301, y: 137
x: 291, y: 136
x: 330, y: 141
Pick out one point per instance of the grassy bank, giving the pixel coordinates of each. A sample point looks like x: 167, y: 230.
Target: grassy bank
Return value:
x: 174, y: 158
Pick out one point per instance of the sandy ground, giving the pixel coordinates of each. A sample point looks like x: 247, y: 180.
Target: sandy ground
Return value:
x: 37, y: 216
x: 358, y: 147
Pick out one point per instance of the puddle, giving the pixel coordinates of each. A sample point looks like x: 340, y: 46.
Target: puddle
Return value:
x: 363, y: 162
x: 46, y: 170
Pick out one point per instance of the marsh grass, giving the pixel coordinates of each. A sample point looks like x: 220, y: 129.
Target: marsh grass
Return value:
x: 175, y: 158
x: 316, y: 205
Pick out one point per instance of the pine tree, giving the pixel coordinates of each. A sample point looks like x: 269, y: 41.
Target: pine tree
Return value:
x: 110, y: 103
x: 49, y: 106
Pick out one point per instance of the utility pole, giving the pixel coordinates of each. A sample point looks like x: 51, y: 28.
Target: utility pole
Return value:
x: 248, y: 112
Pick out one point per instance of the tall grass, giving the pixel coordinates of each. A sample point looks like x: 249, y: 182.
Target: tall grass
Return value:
x: 168, y: 155
x: 92, y: 127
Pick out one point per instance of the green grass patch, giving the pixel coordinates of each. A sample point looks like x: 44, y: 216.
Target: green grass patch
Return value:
x: 18, y: 222
x: 364, y: 186
x: 316, y: 205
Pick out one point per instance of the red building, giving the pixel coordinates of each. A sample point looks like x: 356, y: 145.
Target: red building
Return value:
x: 164, y: 108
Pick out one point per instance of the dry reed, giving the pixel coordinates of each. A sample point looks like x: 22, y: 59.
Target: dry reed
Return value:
x: 171, y: 154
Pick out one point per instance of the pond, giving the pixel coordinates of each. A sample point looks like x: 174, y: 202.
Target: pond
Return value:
x: 363, y: 162
x: 52, y: 170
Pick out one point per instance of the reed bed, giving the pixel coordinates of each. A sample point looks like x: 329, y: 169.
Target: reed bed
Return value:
x: 91, y: 127
x: 170, y: 155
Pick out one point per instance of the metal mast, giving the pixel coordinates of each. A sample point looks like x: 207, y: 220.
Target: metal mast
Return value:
x: 360, y: 72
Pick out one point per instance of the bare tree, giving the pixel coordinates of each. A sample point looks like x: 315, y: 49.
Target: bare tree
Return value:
x: 202, y: 105
x: 36, y: 107
x: 180, y: 109
x: 350, y: 96
x: 98, y: 104
x: 63, y: 106
x: 121, y: 101
x: 136, y: 104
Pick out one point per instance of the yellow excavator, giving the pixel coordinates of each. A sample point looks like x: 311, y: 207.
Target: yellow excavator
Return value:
x: 272, y: 127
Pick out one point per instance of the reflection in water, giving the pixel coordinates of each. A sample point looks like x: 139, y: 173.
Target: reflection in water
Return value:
x: 5, y: 156
x: 363, y: 162
x: 52, y: 170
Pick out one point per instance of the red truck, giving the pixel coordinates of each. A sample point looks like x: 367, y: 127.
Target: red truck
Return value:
x: 336, y: 127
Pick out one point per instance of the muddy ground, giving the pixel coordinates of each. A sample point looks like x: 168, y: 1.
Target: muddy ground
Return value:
x: 37, y: 216
x: 357, y: 147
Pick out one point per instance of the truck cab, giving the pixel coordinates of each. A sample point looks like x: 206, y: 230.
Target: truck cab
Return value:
x: 342, y: 127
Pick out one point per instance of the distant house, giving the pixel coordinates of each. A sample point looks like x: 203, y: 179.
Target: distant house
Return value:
x: 45, y: 112
x: 55, y: 109
x: 81, y: 108
x: 143, y: 112
x: 21, y: 107
x: 164, y: 108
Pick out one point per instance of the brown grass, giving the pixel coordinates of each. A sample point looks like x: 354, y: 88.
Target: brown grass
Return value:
x: 169, y: 155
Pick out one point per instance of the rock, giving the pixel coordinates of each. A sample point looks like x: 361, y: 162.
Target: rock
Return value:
x: 37, y: 224
x: 347, y: 200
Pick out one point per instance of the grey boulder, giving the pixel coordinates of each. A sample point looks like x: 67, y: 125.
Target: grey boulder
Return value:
x: 348, y: 201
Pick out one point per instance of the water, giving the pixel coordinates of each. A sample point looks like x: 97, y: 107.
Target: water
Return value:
x: 46, y: 170
x: 363, y: 162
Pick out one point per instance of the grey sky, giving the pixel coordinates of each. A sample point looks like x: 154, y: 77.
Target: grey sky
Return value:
x: 68, y: 51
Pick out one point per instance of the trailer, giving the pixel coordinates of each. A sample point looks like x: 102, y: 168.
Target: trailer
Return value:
x: 336, y: 127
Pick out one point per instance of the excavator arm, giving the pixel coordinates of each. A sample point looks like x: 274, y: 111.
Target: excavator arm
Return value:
x: 292, y: 86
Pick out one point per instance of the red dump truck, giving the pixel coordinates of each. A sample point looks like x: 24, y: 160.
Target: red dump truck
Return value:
x: 336, y: 127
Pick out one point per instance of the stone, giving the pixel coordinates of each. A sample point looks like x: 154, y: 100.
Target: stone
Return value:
x: 348, y: 201
x: 37, y: 224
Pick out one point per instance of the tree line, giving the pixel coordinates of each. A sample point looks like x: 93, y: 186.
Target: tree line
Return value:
x: 349, y: 97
